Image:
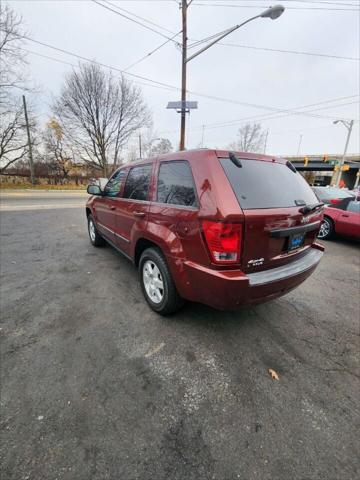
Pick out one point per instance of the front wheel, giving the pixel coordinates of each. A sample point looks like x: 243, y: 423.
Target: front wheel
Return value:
x: 157, y: 284
x: 326, y: 229
x: 95, y: 238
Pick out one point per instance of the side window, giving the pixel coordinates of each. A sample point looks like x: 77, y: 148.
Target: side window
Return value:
x: 138, y: 182
x: 176, y: 184
x: 113, y: 186
x: 353, y: 206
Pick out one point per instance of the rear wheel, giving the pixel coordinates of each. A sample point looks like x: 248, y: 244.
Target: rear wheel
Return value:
x: 326, y: 229
x: 95, y: 238
x: 157, y: 284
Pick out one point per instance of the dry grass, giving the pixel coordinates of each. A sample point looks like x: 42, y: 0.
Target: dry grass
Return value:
x: 27, y: 186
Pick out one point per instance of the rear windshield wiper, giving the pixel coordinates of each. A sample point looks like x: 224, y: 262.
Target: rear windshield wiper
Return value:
x: 234, y: 159
x: 311, y: 208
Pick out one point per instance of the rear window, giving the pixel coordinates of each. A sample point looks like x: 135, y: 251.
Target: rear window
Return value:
x: 260, y: 184
x: 138, y: 182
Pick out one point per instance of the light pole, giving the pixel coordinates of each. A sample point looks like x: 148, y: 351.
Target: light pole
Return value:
x: 349, y: 126
x: 272, y: 12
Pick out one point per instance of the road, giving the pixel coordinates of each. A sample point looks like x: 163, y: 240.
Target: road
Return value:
x: 97, y: 386
x: 21, y: 200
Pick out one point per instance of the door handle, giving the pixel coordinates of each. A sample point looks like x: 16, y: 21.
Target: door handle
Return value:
x: 112, y: 207
x: 139, y: 214
x: 345, y: 215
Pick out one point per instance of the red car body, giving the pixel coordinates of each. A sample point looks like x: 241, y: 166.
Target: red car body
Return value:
x: 345, y: 222
x: 262, y: 267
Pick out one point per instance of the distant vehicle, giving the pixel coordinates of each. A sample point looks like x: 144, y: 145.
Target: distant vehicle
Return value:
x: 342, y: 218
x: 216, y: 227
x: 332, y: 195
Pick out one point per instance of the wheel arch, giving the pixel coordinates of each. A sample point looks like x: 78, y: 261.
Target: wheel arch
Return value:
x: 141, y: 245
x: 331, y: 220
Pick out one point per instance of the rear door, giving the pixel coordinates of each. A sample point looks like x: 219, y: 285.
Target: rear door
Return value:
x: 271, y: 195
x: 174, y: 213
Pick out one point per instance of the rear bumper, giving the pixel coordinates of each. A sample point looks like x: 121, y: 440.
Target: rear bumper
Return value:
x: 229, y: 289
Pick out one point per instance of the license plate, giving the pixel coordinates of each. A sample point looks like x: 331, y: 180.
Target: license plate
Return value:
x: 296, y: 241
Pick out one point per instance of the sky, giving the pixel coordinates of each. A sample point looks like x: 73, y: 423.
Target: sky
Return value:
x: 231, y: 83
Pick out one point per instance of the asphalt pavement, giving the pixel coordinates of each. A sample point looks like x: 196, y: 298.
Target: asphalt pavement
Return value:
x: 96, y: 386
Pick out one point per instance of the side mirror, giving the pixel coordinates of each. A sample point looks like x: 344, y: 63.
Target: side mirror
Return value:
x: 94, y: 190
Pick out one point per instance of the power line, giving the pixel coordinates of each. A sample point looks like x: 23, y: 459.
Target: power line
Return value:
x: 138, y: 16
x: 48, y: 57
x: 287, y: 112
x: 150, y: 53
x: 295, y: 52
x: 81, y: 57
x: 132, y: 20
x: 164, y: 85
x: 198, y: 42
x: 325, y: 2
x: 265, y: 117
x: 264, y: 6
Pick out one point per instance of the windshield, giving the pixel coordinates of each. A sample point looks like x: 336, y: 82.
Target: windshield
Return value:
x: 262, y: 184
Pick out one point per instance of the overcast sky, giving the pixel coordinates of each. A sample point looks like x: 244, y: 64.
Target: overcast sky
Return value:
x: 265, y: 79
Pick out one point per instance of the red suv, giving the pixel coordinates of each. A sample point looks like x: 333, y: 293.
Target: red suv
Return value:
x: 216, y: 227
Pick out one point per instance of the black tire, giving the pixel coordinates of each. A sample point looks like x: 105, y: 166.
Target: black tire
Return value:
x: 95, y: 238
x: 171, y: 301
x: 327, y: 229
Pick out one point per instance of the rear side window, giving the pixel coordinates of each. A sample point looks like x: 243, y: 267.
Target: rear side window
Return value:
x: 138, y: 182
x: 261, y: 184
x: 176, y: 184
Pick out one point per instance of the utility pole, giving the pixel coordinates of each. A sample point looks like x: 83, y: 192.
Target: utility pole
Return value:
x: 140, y: 144
x: 29, y: 143
x: 271, y: 12
x: 349, y: 126
x: 184, y: 7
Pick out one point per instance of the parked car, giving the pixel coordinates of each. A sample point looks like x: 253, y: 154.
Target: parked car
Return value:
x: 210, y: 226
x: 332, y: 195
x: 342, y: 218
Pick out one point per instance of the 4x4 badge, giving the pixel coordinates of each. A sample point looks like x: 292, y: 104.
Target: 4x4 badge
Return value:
x: 255, y: 262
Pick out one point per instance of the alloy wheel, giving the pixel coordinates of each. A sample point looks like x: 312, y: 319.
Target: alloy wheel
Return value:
x: 153, y: 282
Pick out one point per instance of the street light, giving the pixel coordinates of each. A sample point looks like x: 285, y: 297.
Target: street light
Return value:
x: 272, y: 12
x: 348, y: 125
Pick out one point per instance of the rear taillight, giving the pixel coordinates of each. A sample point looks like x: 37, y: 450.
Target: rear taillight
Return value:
x: 223, y: 241
x: 334, y: 201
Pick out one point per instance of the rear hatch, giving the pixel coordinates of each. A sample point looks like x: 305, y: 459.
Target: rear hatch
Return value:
x: 282, y: 214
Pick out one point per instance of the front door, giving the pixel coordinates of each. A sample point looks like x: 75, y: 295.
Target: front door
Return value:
x: 133, y: 206
x: 106, y: 206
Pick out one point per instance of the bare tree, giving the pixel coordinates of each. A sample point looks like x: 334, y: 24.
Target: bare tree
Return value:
x: 251, y: 138
x: 12, y: 56
x: 163, y: 146
x: 13, y: 140
x: 99, y: 113
x: 59, y: 155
